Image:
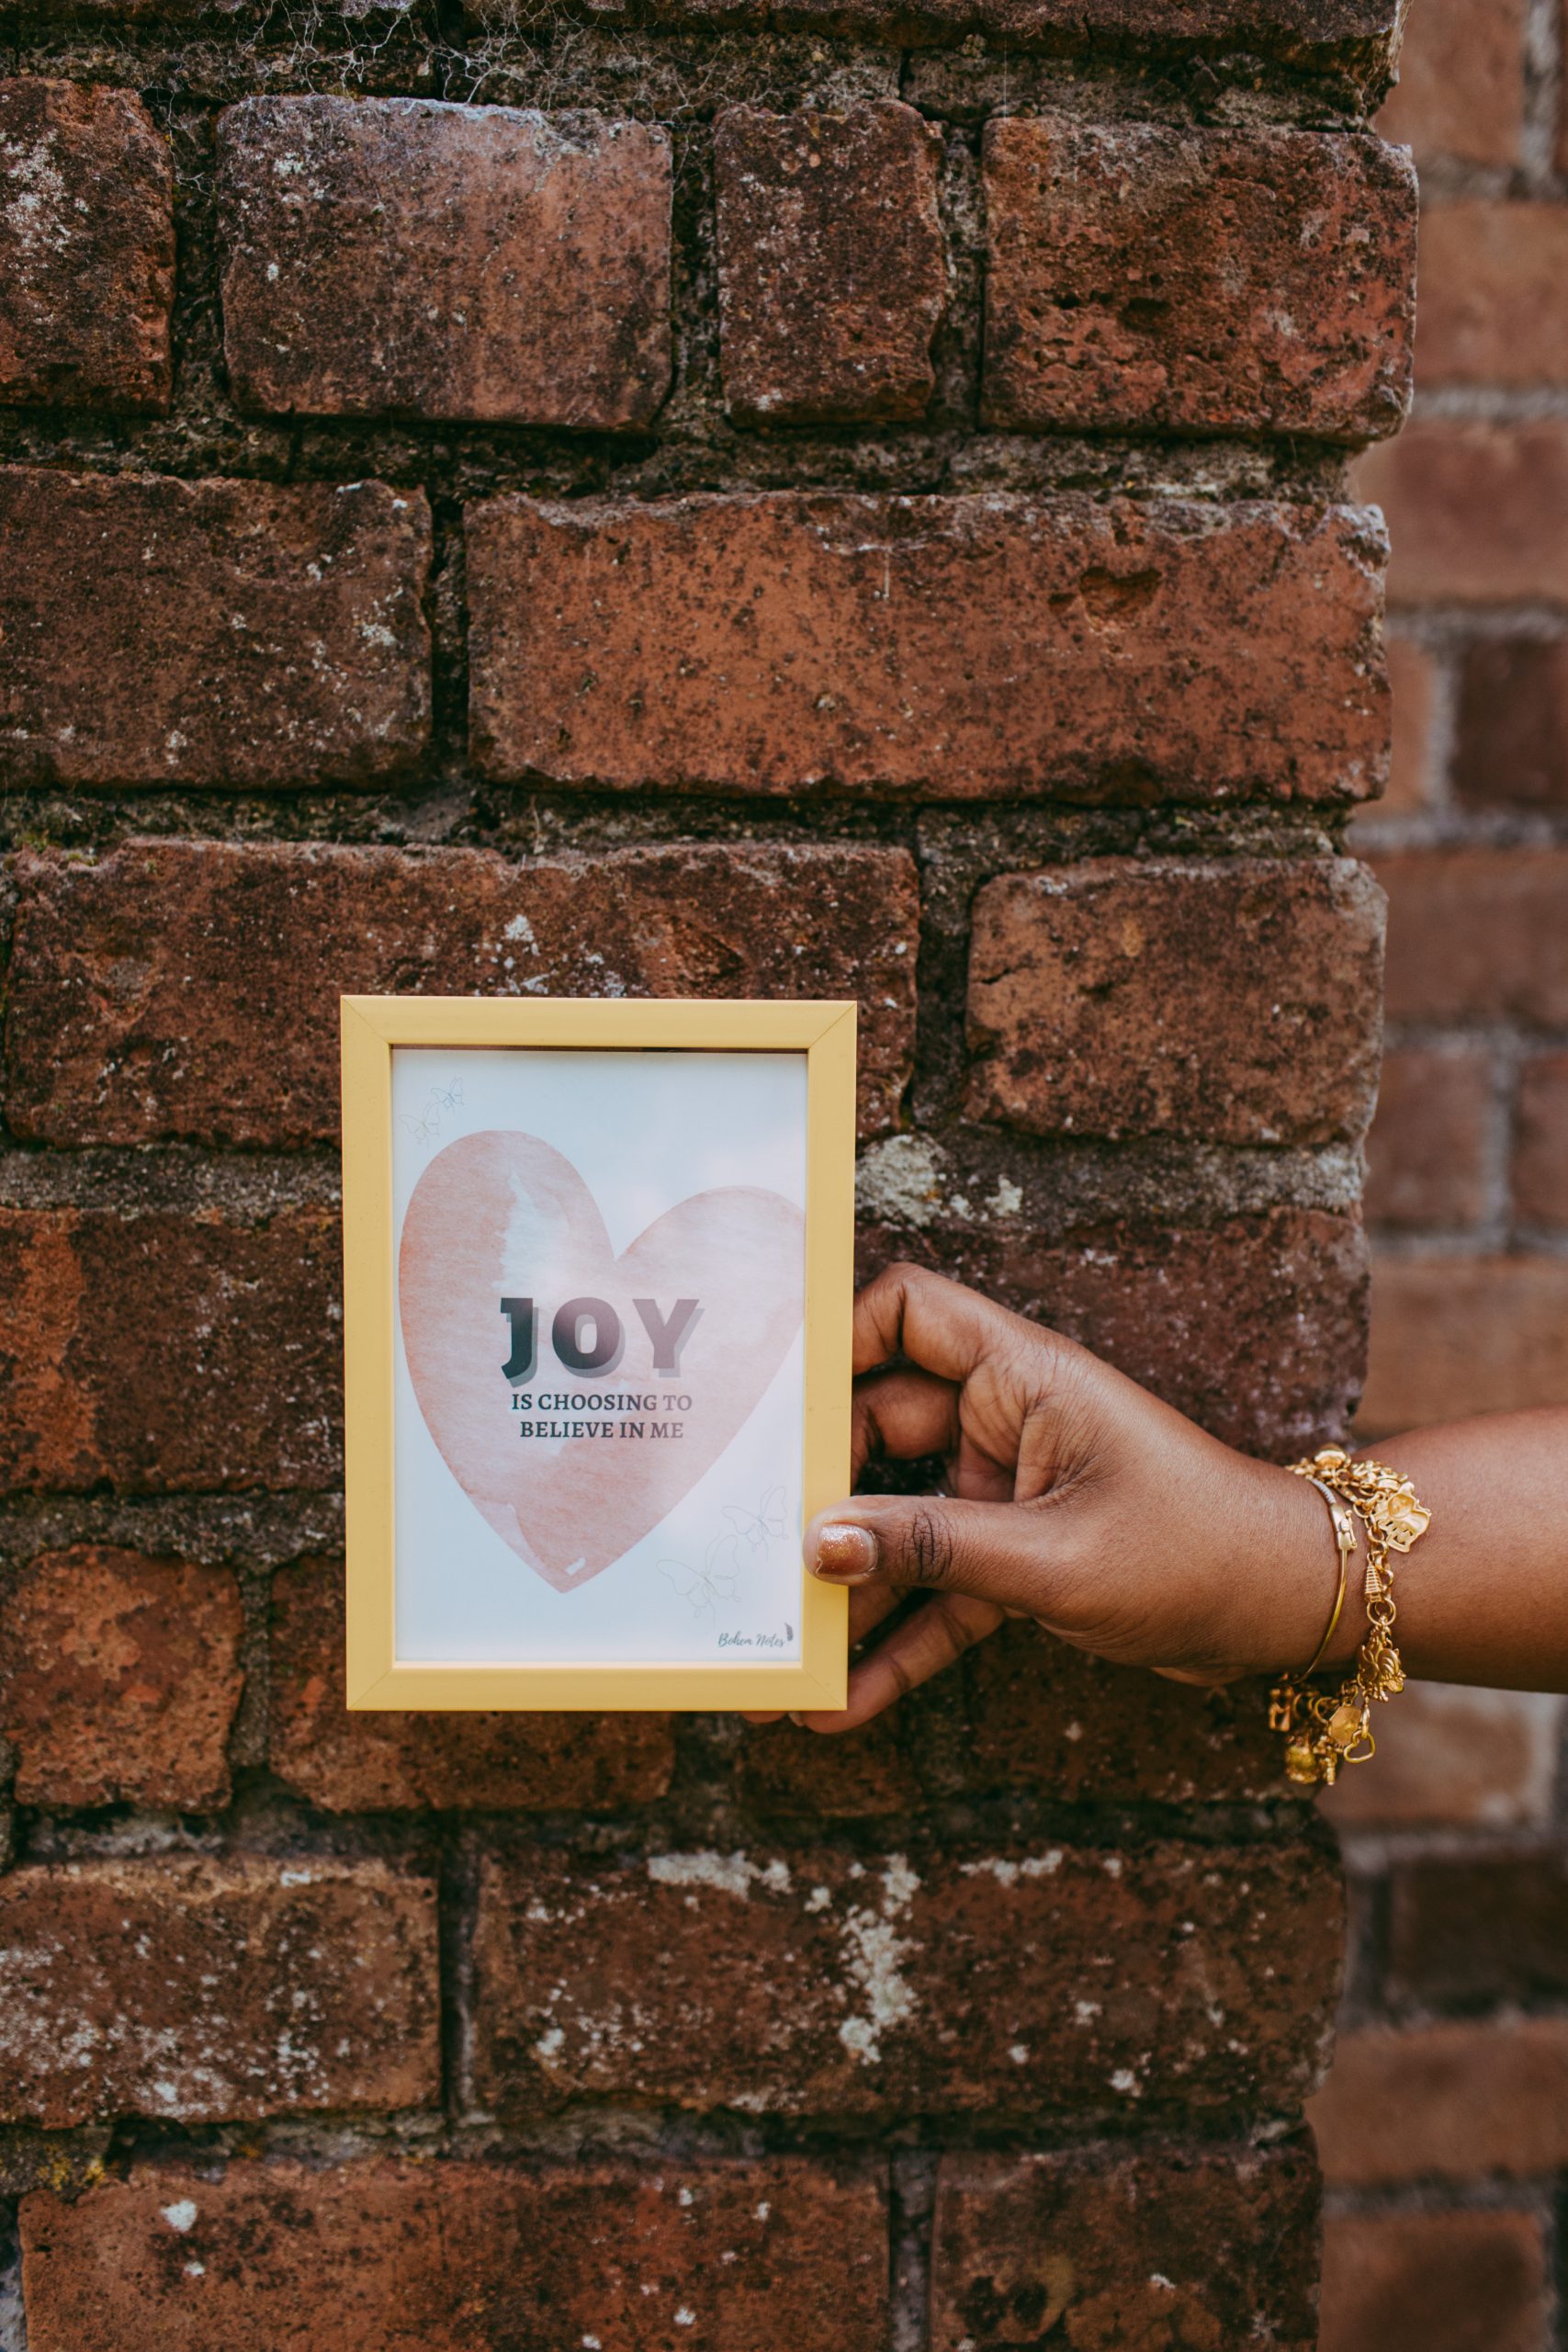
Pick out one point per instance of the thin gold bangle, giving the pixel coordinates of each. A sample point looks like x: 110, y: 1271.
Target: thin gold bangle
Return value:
x: 1345, y: 1537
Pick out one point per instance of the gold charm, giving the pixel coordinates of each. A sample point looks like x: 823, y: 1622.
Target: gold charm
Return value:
x: 1393, y: 1520
x: 1281, y: 1707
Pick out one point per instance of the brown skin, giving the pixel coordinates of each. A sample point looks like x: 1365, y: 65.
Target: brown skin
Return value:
x: 1078, y: 1500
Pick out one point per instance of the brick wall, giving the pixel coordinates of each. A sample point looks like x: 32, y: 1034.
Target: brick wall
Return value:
x: 1442, y: 2129
x: 666, y: 498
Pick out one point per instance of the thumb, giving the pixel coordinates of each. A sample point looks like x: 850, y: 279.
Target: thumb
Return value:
x: 998, y: 1551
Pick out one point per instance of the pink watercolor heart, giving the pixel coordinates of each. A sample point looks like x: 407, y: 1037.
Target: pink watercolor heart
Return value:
x: 501, y: 1215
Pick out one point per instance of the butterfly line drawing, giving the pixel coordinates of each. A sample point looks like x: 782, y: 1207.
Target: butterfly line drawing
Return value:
x: 756, y: 1527
x: 700, y: 1587
x: 437, y: 1102
x: 744, y: 1542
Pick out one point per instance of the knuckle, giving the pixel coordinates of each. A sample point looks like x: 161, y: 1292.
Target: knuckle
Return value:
x: 957, y: 1632
x: 932, y: 1548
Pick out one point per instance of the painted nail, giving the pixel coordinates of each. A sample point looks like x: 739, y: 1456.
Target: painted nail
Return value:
x: 845, y: 1555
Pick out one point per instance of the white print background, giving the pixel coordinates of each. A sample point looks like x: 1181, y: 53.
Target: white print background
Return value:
x: 644, y: 1131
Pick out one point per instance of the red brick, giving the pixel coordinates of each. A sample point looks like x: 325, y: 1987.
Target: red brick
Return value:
x: 86, y: 247
x: 204, y: 1989
x: 1255, y: 1326
x: 372, y: 2257
x: 110, y: 956
x: 173, y: 633
x: 785, y: 643
x: 118, y: 1679
x: 1477, y: 513
x: 832, y: 278
x: 1143, y: 276
x: 1454, y: 1335
x: 1434, y: 2282
x: 1541, y: 1145
x: 1477, y: 934
x: 1453, y: 1758
x: 1445, y: 2102
x: 1238, y: 1001
x: 1492, y: 309
x: 1480, y: 1930
x: 1412, y: 677
x: 1429, y: 1152
x: 1512, y: 744
x: 401, y: 255
x: 369, y: 1762
x: 1119, y: 1982
x: 1167, y: 2249
x: 1461, y: 86
x: 168, y: 1351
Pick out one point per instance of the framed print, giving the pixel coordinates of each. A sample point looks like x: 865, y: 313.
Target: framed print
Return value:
x: 598, y: 1284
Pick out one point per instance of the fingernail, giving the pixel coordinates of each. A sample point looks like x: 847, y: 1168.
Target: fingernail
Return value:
x: 845, y: 1555
x: 797, y: 1718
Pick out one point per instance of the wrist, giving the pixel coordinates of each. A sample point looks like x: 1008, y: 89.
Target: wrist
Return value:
x: 1297, y: 1569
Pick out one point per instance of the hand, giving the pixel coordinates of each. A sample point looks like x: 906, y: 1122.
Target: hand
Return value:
x: 1075, y: 1499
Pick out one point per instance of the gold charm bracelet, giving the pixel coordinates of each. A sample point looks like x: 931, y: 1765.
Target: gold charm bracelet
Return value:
x: 1322, y: 1731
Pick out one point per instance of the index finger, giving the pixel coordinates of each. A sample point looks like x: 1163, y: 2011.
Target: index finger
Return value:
x: 937, y: 1324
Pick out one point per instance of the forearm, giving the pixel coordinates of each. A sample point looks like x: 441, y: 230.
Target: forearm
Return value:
x: 1483, y: 1596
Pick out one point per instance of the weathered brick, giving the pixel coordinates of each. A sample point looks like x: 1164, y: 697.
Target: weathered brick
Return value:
x: 110, y: 956
x: 1476, y: 934
x: 1460, y: 92
x: 171, y: 633
x: 1042, y: 1716
x: 1429, y: 1151
x: 787, y: 643
x: 1255, y: 1326
x: 1453, y: 1758
x: 196, y: 1989
x: 368, y: 1762
x: 1434, y: 2282
x: 876, y: 1772
x: 1412, y: 677
x: 407, y: 256
x: 1541, y: 1145
x: 86, y: 247
x: 1471, y: 1933
x: 1164, y: 2249
x: 462, y: 2258
x: 1445, y: 2102
x: 1511, y: 739
x: 169, y: 1350
x: 1073, y: 1979
x: 118, y: 1679
x: 1477, y: 512
x: 1453, y: 1336
x: 1237, y: 999
x: 1492, y: 308
x: 832, y: 278
x: 1025, y: 1712
x: 1145, y: 276
x: 1356, y: 40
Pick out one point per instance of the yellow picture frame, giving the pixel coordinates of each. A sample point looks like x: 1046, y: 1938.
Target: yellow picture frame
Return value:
x: 372, y: 1029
